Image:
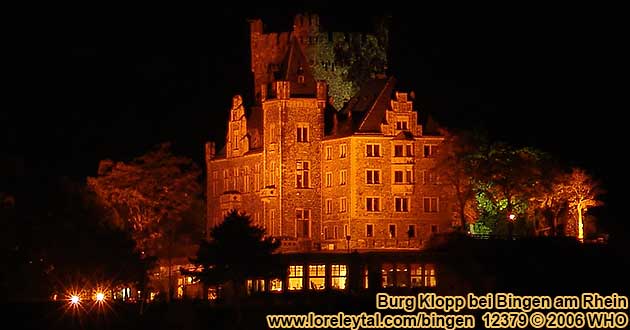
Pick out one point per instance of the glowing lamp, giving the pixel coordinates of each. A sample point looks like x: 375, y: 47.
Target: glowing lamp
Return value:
x: 512, y: 217
x: 100, y: 296
x: 74, y: 299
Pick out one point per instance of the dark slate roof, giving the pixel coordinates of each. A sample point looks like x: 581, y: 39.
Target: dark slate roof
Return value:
x: 294, y: 65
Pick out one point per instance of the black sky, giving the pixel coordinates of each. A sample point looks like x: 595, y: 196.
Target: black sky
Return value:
x: 95, y: 83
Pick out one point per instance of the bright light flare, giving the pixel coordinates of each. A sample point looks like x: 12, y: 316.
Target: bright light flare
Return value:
x: 74, y: 299
x: 512, y: 217
x: 100, y: 297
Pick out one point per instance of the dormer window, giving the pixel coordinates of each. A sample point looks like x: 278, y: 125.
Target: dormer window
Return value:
x: 402, y: 125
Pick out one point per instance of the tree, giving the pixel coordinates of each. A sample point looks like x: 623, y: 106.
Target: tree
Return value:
x: 457, y: 164
x: 581, y: 192
x: 149, y: 196
x: 237, y: 250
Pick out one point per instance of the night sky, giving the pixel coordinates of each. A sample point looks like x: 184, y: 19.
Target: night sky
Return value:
x: 88, y: 84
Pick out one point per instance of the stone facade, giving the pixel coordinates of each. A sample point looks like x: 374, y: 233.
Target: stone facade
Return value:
x: 321, y: 179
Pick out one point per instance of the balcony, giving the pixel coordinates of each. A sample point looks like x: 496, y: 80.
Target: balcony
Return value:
x: 230, y: 200
x: 403, y: 160
x: 268, y: 193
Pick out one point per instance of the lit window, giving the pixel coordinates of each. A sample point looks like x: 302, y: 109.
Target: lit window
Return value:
x: 329, y: 206
x: 302, y: 132
x: 387, y: 273
x: 430, y: 204
x: 302, y: 222
x: 329, y: 179
x: 373, y: 176
x: 343, y: 150
x: 295, y: 278
x: 302, y: 175
x: 372, y: 204
x: 369, y: 230
x: 342, y: 177
x: 343, y: 204
x: 402, y: 204
x: 416, y: 275
x: 328, y: 152
x: 338, y: 275
x: 373, y: 150
x: 317, y: 277
x: 275, y: 285
x: 392, y: 231
x: 430, y: 279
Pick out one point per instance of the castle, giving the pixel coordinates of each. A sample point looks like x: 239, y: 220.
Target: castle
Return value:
x: 358, y: 178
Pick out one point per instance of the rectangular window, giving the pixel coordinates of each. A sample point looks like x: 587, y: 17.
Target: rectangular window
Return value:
x: 296, y: 274
x: 317, y: 277
x: 373, y: 176
x: 328, y: 152
x: 409, y: 150
x: 430, y: 150
x: 343, y: 150
x: 430, y: 204
x: 398, y: 151
x: 345, y: 231
x: 411, y: 231
x: 326, y: 236
x: 234, y: 178
x: 392, y: 231
x: 402, y: 204
x: 409, y: 176
x: 257, y: 177
x: 272, y: 222
x: 302, y: 222
x: 215, y: 178
x: 434, y: 229
x: 416, y: 275
x: 372, y: 204
x: 338, y: 275
x: 302, y: 174
x: 401, y: 125
x: 373, y: 150
x: 272, y: 133
x: 226, y: 180
x: 343, y: 177
x: 246, y: 185
x: 387, y: 273
x: 369, y: 230
x: 302, y: 132
x: 429, y: 177
x: 343, y: 205
x: 398, y: 177
x: 429, y: 276
x: 272, y: 174
x: 329, y: 179
x: 335, y: 232
x: 329, y: 206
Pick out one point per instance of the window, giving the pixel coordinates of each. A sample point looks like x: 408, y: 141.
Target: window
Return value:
x: 402, y: 204
x: 398, y: 151
x: 387, y: 273
x: 302, y: 175
x: 329, y: 179
x: 275, y: 285
x: 272, y: 221
x: 317, y: 277
x: 302, y: 132
x: 429, y: 177
x: 373, y: 176
x: 429, y: 276
x: 226, y: 180
x: 343, y: 150
x: 430, y: 204
x: 272, y: 174
x: 302, y: 219
x: 392, y: 231
x: 403, y: 176
x: 372, y: 204
x: 328, y: 152
x: 401, y: 125
x: 335, y: 232
x: 296, y: 274
x: 434, y: 229
x: 272, y: 133
x: 326, y: 236
x: 430, y: 150
x: 343, y: 204
x: 329, y: 206
x: 373, y: 150
x: 338, y: 275
x: 215, y: 178
x: 345, y: 231
x: 409, y: 150
x: 369, y: 230
x: 257, y: 177
x: 342, y: 177
x: 416, y: 275
x: 411, y: 231
x: 246, y: 184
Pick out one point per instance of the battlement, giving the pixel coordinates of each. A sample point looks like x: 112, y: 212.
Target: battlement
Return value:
x: 308, y: 23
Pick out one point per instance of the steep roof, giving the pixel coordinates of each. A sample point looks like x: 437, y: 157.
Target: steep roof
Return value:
x: 294, y: 65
